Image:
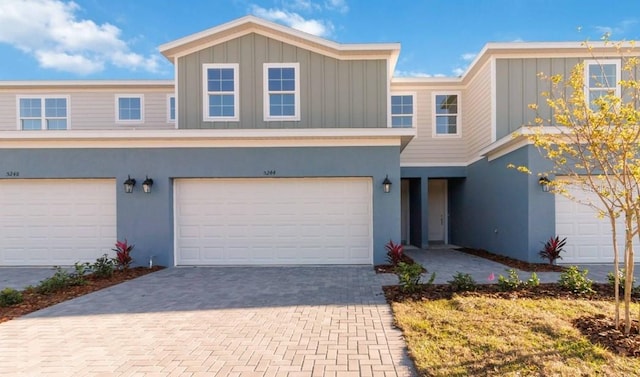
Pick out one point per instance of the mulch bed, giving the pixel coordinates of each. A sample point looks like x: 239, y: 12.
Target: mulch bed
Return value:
x: 599, y: 330
x: 33, y: 301
x: 390, y: 269
x: 514, y: 263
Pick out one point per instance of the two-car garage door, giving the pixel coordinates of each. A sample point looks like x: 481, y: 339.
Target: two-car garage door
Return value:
x: 273, y: 221
x: 47, y: 222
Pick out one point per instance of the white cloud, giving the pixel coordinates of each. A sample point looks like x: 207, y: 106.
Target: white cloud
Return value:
x: 469, y: 56
x: 620, y: 29
x: 50, y: 31
x: 294, y: 20
x: 459, y: 71
x: 337, y: 5
x: 401, y: 73
x: 301, y: 5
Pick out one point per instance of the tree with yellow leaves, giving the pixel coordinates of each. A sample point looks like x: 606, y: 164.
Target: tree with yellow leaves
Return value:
x: 592, y: 138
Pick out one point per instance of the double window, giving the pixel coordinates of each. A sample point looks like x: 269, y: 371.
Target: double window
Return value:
x: 220, y: 92
x: 446, y: 114
x: 129, y: 108
x: 281, y: 91
x: 402, y: 110
x: 601, y: 78
x: 43, y: 113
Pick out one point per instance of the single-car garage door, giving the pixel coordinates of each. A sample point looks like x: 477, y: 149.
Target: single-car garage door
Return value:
x: 49, y: 222
x: 273, y: 221
x: 588, y: 237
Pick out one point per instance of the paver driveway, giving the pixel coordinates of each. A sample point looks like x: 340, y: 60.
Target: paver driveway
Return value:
x: 263, y: 321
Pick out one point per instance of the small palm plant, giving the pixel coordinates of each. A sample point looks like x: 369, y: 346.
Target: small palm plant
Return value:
x: 394, y: 253
x: 552, y: 249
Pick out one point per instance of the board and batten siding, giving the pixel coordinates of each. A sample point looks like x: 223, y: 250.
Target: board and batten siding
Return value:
x: 476, y: 113
x: 91, y: 108
x: 333, y: 93
x: 518, y: 85
x: 425, y: 149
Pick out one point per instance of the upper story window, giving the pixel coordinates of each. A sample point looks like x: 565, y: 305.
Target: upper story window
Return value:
x: 446, y: 114
x: 220, y: 97
x: 171, y: 108
x: 43, y: 113
x: 129, y: 108
x: 601, y: 77
x: 402, y: 113
x: 282, y: 91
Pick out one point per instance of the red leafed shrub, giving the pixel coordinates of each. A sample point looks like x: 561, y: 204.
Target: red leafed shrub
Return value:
x: 552, y: 249
x: 123, y: 254
x: 394, y: 253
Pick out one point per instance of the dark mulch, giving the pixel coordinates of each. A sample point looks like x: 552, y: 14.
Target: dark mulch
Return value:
x: 390, y: 269
x: 33, y: 301
x: 600, y: 330
x: 507, y: 261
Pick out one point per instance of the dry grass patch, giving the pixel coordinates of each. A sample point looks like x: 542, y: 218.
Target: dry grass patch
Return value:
x: 488, y: 336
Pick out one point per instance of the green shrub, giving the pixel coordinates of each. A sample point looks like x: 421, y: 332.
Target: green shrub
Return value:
x: 10, y: 296
x: 104, y: 267
x: 462, y: 282
x: 409, y: 275
x: 622, y: 279
x: 533, y: 281
x: 510, y: 283
x: 80, y: 270
x: 60, y: 280
x: 575, y: 280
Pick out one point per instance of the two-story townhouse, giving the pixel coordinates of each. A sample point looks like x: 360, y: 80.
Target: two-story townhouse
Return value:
x: 272, y: 146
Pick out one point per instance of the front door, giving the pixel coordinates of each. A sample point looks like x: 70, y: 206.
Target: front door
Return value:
x: 437, y: 210
x: 405, y: 215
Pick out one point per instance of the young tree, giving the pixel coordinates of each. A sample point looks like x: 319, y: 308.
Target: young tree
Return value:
x: 592, y: 139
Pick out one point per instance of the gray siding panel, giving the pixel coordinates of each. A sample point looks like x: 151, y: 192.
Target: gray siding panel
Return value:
x: 518, y: 86
x: 333, y: 93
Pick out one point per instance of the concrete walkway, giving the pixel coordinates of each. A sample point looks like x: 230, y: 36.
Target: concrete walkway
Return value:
x: 446, y: 262
x: 269, y: 321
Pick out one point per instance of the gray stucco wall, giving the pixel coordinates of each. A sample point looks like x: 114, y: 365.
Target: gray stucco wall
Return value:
x: 333, y: 93
x: 502, y: 210
x: 147, y: 219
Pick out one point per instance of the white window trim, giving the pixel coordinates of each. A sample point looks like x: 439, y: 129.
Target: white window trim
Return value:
x: 296, y: 93
x: 169, y: 96
x: 434, y: 131
x: 413, y: 115
x: 236, y: 93
x: 117, y: 108
x: 589, y: 62
x: 43, y: 118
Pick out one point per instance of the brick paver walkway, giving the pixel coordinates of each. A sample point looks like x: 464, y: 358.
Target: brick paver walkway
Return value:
x: 271, y: 321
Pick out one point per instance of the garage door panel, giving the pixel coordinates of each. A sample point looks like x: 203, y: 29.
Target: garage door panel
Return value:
x: 56, y: 222
x: 588, y: 237
x: 276, y: 221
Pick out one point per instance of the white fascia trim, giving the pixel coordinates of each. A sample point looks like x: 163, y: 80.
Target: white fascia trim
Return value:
x: 84, y: 83
x: 433, y: 164
x: 426, y: 80
x: 202, y: 138
x: 494, y: 105
x: 295, y: 37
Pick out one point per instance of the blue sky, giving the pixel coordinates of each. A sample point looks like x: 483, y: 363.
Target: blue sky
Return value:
x: 118, y: 39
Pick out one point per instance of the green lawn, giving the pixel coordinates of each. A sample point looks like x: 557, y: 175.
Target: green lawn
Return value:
x: 487, y: 336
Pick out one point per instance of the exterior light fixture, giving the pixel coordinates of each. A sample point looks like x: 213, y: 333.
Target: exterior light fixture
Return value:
x: 128, y: 184
x: 146, y: 185
x: 386, y: 184
x: 544, y: 182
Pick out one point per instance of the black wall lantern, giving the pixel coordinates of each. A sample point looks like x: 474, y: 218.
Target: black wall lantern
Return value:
x: 128, y: 184
x: 386, y: 184
x: 544, y: 182
x: 146, y: 185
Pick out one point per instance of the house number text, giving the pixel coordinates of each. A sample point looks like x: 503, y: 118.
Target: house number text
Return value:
x: 13, y: 174
x: 269, y: 172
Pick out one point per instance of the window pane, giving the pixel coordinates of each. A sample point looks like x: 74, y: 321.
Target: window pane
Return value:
x: 446, y: 104
x: 129, y: 108
x: 275, y: 85
x: 602, y: 76
x: 227, y: 100
x: 275, y: 73
x: 56, y: 124
x: 221, y: 105
x: 172, y: 108
x: 220, y: 80
x: 55, y: 107
x: 446, y: 125
x: 226, y: 74
x: 31, y: 124
x: 30, y: 107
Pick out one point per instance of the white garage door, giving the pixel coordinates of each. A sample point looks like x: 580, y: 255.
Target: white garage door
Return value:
x: 588, y: 237
x: 273, y: 221
x: 49, y: 222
